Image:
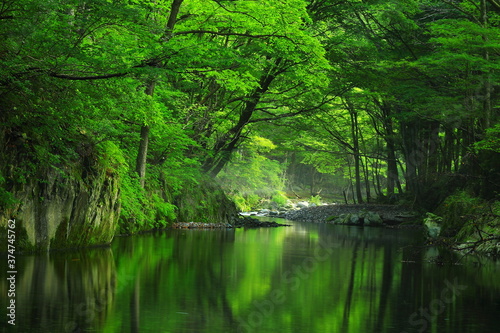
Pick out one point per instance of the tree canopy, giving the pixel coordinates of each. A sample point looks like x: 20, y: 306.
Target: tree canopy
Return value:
x: 358, y: 100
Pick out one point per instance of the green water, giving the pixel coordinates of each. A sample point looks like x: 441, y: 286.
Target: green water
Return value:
x: 303, y: 278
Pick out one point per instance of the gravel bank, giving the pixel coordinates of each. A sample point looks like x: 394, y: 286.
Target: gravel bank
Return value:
x: 390, y: 214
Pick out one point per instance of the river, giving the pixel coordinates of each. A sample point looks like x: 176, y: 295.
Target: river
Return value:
x: 306, y: 278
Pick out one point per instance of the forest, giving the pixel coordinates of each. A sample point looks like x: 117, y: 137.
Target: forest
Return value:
x: 147, y: 112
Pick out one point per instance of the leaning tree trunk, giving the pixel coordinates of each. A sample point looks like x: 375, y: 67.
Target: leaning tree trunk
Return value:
x: 225, y: 146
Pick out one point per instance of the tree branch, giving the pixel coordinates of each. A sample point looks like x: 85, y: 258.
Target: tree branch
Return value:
x: 469, y: 15
x: 291, y: 114
x: 237, y: 12
x: 228, y: 34
x: 495, y: 5
x: 84, y: 78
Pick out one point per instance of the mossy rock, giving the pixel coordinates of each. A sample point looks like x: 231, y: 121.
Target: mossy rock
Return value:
x: 205, y: 202
x: 372, y: 219
x: 456, y: 210
x: 469, y: 220
x: 56, y: 210
x: 347, y: 219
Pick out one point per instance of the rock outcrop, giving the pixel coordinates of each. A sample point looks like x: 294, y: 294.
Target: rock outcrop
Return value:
x: 58, y: 205
x: 61, y: 212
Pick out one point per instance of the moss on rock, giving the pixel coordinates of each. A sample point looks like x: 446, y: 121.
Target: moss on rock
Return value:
x: 205, y: 202
x: 54, y: 209
x: 456, y: 210
x: 472, y: 223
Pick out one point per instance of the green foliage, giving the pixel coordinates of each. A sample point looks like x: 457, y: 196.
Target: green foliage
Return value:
x: 456, y: 210
x: 252, y: 171
x: 7, y: 199
x: 241, y: 203
x: 142, y: 209
x: 204, y: 201
x: 491, y: 141
x: 262, y: 90
x: 112, y: 158
x: 246, y: 203
x: 165, y: 211
x: 279, y: 199
x: 481, y: 229
x: 316, y: 199
x: 133, y: 204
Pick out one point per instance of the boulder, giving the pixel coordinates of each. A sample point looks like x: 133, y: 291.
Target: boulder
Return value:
x: 433, y: 229
x: 355, y: 219
x: 372, y: 219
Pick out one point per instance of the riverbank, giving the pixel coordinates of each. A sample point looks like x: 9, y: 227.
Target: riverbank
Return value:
x: 361, y: 214
x: 238, y: 222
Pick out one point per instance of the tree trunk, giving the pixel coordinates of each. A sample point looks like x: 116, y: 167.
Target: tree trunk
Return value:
x: 142, y: 154
x: 413, y: 157
x: 367, y: 180
x: 140, y: 165
x: 350, y: 186
x: 364, y: 166
x: 356, y: 153
x: 392, y: 166
x: 385, y: 116
x: 357, y: 178
x: 487, y: 86
x: 224, y: 147
x: 432, y: 146
x: 376, y: 179
x: 392, y: 170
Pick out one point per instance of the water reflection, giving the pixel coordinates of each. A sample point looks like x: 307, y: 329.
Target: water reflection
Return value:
x: 304, y: 278
x: 57, y: 292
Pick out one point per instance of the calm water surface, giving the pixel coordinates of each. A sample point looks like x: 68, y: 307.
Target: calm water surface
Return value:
x: 305, y: 278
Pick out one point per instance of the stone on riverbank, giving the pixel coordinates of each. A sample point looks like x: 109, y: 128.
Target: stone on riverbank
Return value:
x: 372, y: 215
x: 363, y: 218
x: 200, y: 225
x: 248, y: 222
x: 240, y: 222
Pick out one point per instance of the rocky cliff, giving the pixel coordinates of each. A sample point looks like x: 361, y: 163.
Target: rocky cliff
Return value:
x: 74, y: 204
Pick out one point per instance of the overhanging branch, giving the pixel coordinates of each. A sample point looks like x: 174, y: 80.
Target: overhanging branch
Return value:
x: 292, y: 114
x: 85, y: 78
x: 495, y: 4
x: 187, y: 32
